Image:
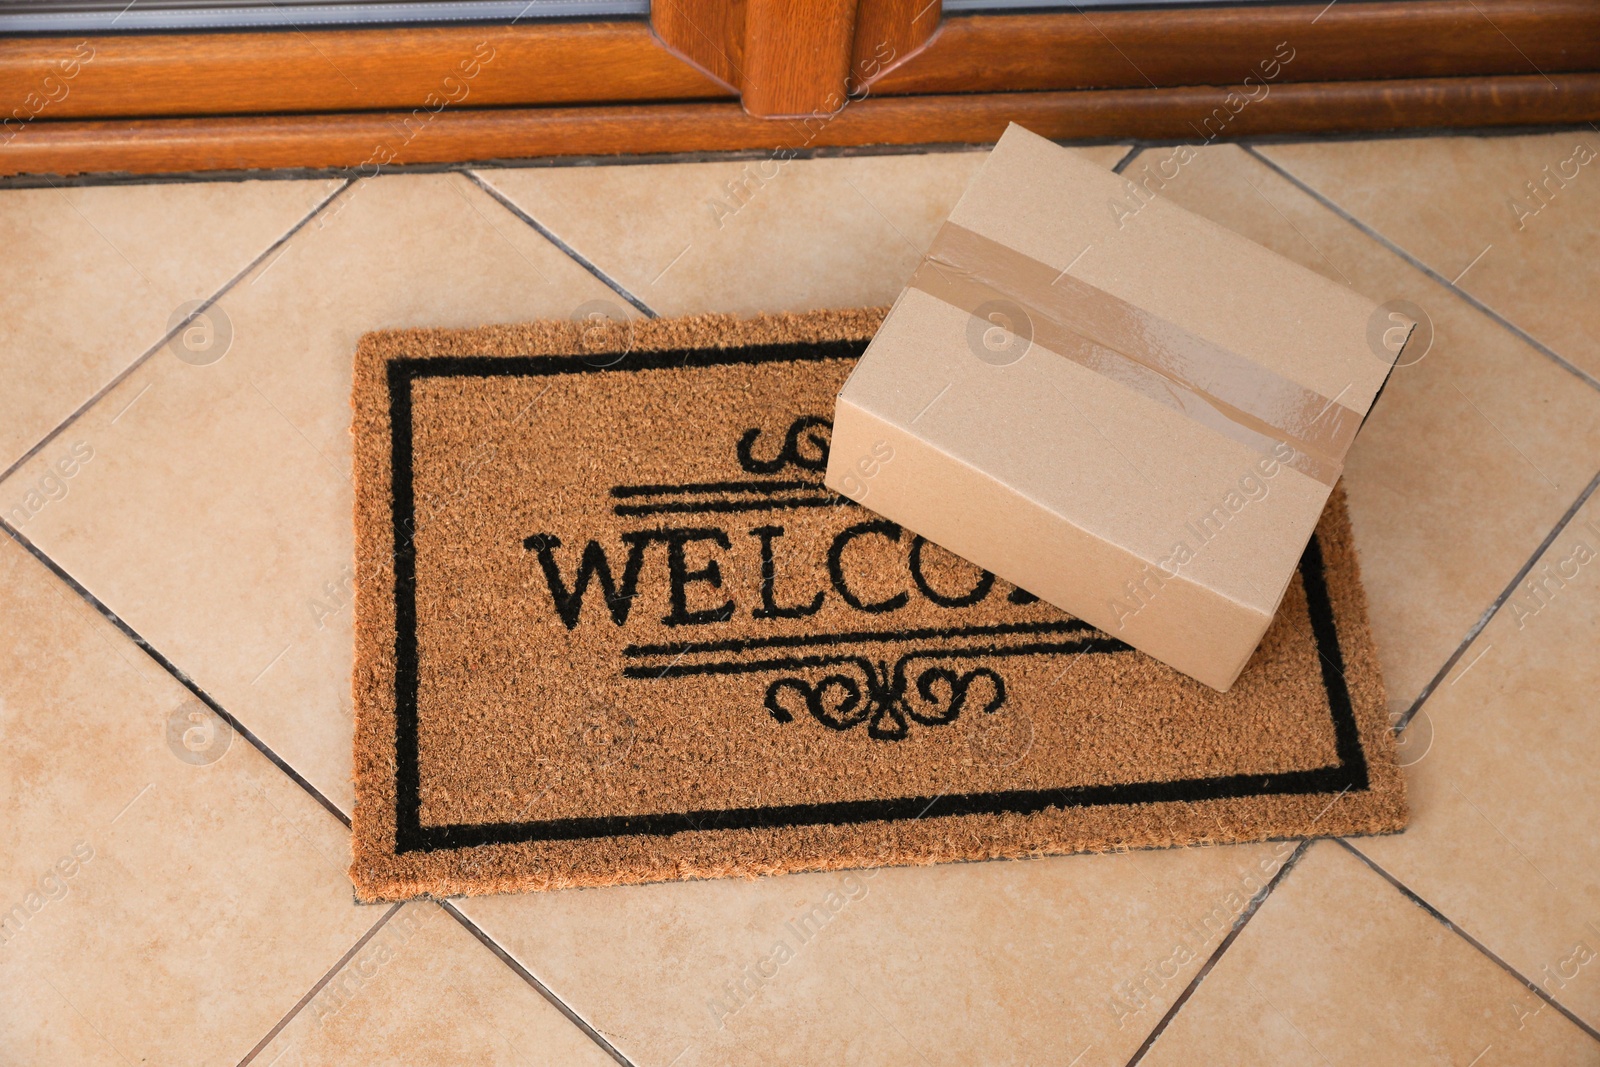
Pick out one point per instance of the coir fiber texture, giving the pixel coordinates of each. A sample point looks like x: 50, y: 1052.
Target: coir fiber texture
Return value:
x: 610, y: 628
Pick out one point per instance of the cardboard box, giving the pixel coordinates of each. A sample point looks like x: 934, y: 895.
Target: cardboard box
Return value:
x: 1136, y: 416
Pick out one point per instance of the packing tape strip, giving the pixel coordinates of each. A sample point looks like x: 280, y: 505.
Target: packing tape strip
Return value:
x: 1217, y: 388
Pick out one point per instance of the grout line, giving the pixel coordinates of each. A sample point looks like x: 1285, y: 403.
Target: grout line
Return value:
x: 171, y: 668
x: 323, y: 981
x: 1517, y: 331
x: 1227, y: 943
x: 577, y: 257
x: 167, y: 337
x: 539, y: 987
x: 1499, y: 602
x: 1416, y: 899
x: 1127, y: 160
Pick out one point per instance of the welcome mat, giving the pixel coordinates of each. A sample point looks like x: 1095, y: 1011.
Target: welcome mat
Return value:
x: 611, y: 627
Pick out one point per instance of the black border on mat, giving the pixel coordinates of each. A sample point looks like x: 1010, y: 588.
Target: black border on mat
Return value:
x: 1349, y: 773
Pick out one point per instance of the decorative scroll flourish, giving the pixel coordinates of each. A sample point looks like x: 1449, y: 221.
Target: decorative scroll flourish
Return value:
x: 883, y: 697
x: 805, y: 447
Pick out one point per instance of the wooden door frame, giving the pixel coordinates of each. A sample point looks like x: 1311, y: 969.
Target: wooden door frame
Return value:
x: 368, y: 99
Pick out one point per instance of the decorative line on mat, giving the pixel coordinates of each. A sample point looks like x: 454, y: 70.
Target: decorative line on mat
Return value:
x: 882, y: 695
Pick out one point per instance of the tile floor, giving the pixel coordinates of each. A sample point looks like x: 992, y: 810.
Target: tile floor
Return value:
x: 177, y: 500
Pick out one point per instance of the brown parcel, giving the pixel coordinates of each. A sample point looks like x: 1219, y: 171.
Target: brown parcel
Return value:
x: 1135, y: 415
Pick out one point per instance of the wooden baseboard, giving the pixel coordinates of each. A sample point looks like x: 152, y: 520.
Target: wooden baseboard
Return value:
x: 368, y: 99
x: 368, y: 143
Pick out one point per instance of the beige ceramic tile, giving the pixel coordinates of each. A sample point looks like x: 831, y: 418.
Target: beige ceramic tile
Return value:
x: 758, y: 235
x: 213, y: 510
x: 168, y: 894
x: 1470, y: 456
x: 1503, y: 789
x: 1518, y: 211
x: 224, y: 588
x: 90, y: 277
x: 1339, y: 968
x: 424, y: 991
x: 1067, y: 960
x: 213, y: 513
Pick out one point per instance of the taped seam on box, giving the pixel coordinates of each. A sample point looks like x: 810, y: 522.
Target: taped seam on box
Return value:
x: 1219, y: 389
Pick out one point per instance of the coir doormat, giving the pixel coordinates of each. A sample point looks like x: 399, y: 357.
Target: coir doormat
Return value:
x: 612, y: 628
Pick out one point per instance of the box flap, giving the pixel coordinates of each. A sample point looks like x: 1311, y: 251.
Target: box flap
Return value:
x: 1051, y: 205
